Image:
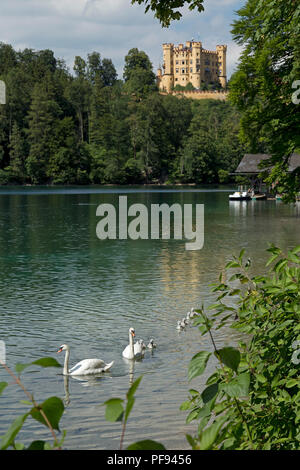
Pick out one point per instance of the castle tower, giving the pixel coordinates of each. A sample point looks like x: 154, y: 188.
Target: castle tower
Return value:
x: 221, y: 51
x: 167, y: 79
x: 196, y: 64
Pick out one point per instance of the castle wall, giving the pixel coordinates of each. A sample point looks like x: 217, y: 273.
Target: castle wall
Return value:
x: 199, y: 94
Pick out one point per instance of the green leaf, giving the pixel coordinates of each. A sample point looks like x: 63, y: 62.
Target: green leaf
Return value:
x: 190, y: 440
x: 20, y: 367
x: 295, y: 250
x: 238, y: 386
x: 36, y: 445
x: 53, y: 408
x: 114, y: 409
x: 13, y: 430
x: 43, y: 362
x: 241, y: 254
x: 210, y: 392
x: 198, y: 364
x: 210, y: 434
x: 19, y: 446
x: 230, y: 357
x: 193, y: 415
x: 129, y: 405
x: 3, y: 385
x: 292, y: 382
x: 146, y: 445
x: 46, y: 362
x: 134, y: 387
x: 186, y: 405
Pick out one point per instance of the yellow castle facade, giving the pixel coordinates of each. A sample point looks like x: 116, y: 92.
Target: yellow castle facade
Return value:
x: 191, y: 63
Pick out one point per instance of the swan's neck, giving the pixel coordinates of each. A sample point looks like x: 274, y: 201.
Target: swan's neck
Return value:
x: 131, y: 344
x: 66, y: 363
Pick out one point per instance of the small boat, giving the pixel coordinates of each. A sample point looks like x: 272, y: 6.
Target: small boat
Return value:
x: 239, y: 196
x: 259, y: 197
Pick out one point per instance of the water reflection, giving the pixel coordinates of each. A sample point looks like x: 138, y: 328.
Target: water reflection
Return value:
x: 59, y: 283
x: 237, y: 208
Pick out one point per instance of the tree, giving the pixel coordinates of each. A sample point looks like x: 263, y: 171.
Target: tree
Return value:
x: 152, y: 140
x: 42, y: 136
x: 134, y: 60
x: 78, y: 94
x: 17, y: 154
x: 108, y: 73
x: 94, y: 67
x: 199, y: 158
x: 167, y: 10
x: 262, y: 86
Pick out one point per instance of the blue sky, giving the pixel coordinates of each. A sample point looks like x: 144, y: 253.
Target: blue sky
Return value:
x: 112, y: 27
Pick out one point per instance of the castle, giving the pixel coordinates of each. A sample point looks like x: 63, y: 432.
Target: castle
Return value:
x: 191, y: 64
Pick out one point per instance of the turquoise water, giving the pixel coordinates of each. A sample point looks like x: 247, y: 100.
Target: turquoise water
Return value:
x: 60, y: 284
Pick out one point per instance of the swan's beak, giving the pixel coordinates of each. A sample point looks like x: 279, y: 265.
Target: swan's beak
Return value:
x: 133, y: 334
x: 60, y: 350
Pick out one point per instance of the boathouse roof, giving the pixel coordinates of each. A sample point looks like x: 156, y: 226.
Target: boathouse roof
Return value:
x: 250, y: 163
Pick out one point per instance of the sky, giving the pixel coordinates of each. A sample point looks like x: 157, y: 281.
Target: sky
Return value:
x: 113, y: 27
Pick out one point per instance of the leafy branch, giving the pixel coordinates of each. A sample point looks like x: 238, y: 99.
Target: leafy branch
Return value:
x: 48, y: 413
x: 252, y: 399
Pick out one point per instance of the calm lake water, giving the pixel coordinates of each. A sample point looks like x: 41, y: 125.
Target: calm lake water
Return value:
x: 60, y: 284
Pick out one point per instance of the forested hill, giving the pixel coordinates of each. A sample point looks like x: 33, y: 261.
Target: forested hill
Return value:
x: 87, y: 126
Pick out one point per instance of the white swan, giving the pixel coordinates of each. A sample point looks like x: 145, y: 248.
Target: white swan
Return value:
x: 179, y: 325
x: 139, y: 347
x: 85, y: 367
x: 184, y: 322
x: 151, y: 344
x: 133, y: 351
x: 193, y: 313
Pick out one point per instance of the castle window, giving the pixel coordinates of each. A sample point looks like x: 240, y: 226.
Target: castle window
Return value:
x: 182, y: 70
x: 177, y: 70
x: 191, y: 69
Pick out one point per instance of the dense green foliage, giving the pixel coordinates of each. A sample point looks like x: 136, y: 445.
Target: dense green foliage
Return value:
x: 263, y: 86
x: 252, y: 400
x: 89, y: 127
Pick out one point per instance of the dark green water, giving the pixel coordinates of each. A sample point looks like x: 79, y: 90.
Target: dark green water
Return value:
x: 60, y: 284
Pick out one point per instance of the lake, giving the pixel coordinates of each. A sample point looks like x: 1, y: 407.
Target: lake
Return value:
x: 60, y: 284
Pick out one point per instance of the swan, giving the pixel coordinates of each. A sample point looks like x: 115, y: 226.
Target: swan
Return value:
x: 85, y: 367
x: 179, y: 326
x: 151, y: 344
x: 133, y: 351
x: 193, y: 313
x: 183, y: 323
x: 139, y: 347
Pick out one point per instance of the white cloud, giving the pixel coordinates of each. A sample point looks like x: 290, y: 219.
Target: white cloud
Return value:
x: 112, y: 27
